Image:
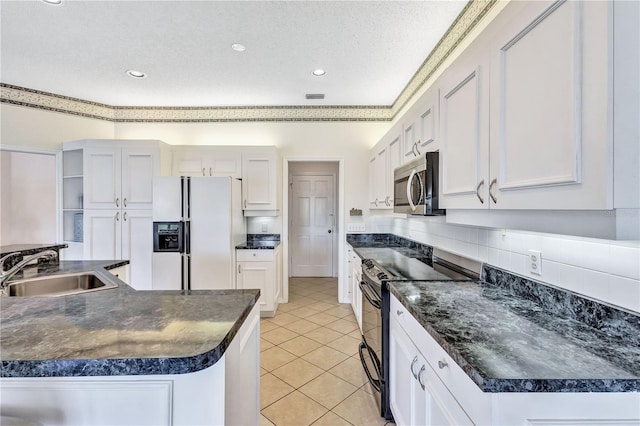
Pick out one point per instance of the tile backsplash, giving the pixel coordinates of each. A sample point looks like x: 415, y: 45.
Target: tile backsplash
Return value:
x: 605, y: 270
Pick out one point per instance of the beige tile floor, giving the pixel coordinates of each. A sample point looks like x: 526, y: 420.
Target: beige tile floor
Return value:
x: 310, y: 368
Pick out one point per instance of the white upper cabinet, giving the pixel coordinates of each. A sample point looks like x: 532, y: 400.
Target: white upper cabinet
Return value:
x: 120, y: 177
x: 384, y: 158
x: 528, y: 112
x: 464, y: 132
x: 207, y: 161
x: 421, y: 127
x: 259, y: 186
x: 550, y: 147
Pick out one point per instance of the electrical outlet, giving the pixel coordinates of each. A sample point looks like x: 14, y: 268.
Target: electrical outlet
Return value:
x: 355, y: 227
x: 265, y: 227
x: 535, y: 262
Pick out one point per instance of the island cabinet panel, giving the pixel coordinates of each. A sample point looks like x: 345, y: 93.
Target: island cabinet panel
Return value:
x: 89, y: 402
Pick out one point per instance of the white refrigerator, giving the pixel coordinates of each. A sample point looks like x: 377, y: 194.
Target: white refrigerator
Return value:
x: 198, y: 222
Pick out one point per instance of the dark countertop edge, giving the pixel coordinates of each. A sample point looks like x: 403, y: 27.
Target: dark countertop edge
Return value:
x: 496, y: 385
x: 30, y: 248
x: 123, y: 366
x: 258, y: 245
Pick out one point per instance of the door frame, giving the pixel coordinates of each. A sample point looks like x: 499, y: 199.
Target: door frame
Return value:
x: 335, y: 271
x: 342, y: 286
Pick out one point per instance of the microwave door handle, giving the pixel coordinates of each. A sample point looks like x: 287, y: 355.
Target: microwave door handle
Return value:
x: 409, y: 192
x: 422, y: 193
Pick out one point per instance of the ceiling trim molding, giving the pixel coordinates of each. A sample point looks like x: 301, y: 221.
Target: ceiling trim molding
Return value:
x: 466, y: 21
x: 468, y: 18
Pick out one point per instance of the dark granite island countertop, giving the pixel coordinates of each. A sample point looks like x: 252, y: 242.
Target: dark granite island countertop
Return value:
x: 27, y: 249
x: 118, y: 331
x: 509, y: 343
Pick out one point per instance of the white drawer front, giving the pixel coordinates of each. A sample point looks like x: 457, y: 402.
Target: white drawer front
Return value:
x: 254, y: 255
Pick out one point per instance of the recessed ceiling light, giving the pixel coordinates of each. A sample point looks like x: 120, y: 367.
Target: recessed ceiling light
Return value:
x: 238, y: 47
x: 319, y: 72
x: 136, y: 74
x: 52, y: 1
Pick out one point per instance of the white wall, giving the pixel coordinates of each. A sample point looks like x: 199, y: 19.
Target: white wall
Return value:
x: 22, y: 126
x: 28, y: 202
x: 601, y: 269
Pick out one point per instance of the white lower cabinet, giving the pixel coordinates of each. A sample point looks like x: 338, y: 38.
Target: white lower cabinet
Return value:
x: 226, y: 393
x: 355, y: 276
x: 261, y: 269
x: 428, y: 388
x: 121, y: 234
x: 417, y: 395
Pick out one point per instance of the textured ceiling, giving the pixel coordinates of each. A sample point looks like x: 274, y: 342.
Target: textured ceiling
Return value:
x: 83, y: 49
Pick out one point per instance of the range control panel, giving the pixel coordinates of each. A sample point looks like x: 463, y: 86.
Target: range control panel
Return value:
x: 167, y: 237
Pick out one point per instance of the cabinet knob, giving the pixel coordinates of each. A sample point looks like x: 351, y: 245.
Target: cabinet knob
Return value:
x: 399, y: 312
x: 442, y: 364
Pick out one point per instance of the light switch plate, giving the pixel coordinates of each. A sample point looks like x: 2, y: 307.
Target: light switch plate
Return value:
x: 355, y: 227
x: 535, y: 262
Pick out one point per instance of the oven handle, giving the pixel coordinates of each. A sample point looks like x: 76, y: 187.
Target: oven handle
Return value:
x: 374, y: 382
x: 366, y: 292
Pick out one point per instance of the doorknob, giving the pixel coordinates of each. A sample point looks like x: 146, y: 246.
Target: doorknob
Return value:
x: 329, y: 231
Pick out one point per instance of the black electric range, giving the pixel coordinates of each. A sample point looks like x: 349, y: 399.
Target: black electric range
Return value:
x: 381, y: 266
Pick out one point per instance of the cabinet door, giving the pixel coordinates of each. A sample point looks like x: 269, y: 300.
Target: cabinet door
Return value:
x: 139, y: 166
x: 257, y: 275
x: 259, y: 181
x: 102, y: 178
x: 427, y: 125
x: 409, y: 141
x: 549, y: 108
x: 464, y: 132
x: 279, y: 284
x: 102, y: 234
x: 224, y: 164
x: 137, y: 246
x: 403, y: 368
x: 395, y: 159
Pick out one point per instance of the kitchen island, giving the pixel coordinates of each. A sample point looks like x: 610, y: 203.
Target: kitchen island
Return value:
x: 121, y: 356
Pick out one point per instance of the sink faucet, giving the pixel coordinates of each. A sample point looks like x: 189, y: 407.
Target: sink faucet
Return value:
x: 5, y: 275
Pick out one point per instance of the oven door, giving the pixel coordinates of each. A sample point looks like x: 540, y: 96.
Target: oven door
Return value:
x: 371, y: 346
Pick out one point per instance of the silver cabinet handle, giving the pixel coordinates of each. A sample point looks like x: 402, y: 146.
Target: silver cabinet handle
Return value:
x: 124, y: 216
x: 210, y: 173
x: 117, y: 216
x: 117, y: 202
x: 376, y: 202
x: 245, y: 204
x: 420, y: 376
x: 386, y: 201
x: 478, y: 191
x: 124, y: 202
x: 239, y: 269
x: 415, y: 360
x: 418, y: 147
x: 413, y: 149
x: 493, y: 198
x: 203, y: 172
x: 399, y: 312
x: 442, y: 364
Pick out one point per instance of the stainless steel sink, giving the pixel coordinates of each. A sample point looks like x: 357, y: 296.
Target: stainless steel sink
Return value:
x: 57, y: 285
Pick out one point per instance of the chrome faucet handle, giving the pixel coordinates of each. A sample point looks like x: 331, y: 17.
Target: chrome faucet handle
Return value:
x: 7, y: 257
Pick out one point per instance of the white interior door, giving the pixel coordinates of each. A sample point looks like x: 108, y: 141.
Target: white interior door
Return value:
x: 312, y: 225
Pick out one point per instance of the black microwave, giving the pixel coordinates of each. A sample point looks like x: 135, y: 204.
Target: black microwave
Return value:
x: 416, y: 186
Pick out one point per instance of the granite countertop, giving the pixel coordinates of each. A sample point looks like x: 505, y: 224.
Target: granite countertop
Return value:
x: 258, y: 245
x: 28, y: 249
x: 260, y: 242
x: 118, y: 331
x: 508, y: 343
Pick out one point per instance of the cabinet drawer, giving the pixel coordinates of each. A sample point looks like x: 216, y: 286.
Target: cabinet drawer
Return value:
x: 476, y: 403
x: 254, y: 255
